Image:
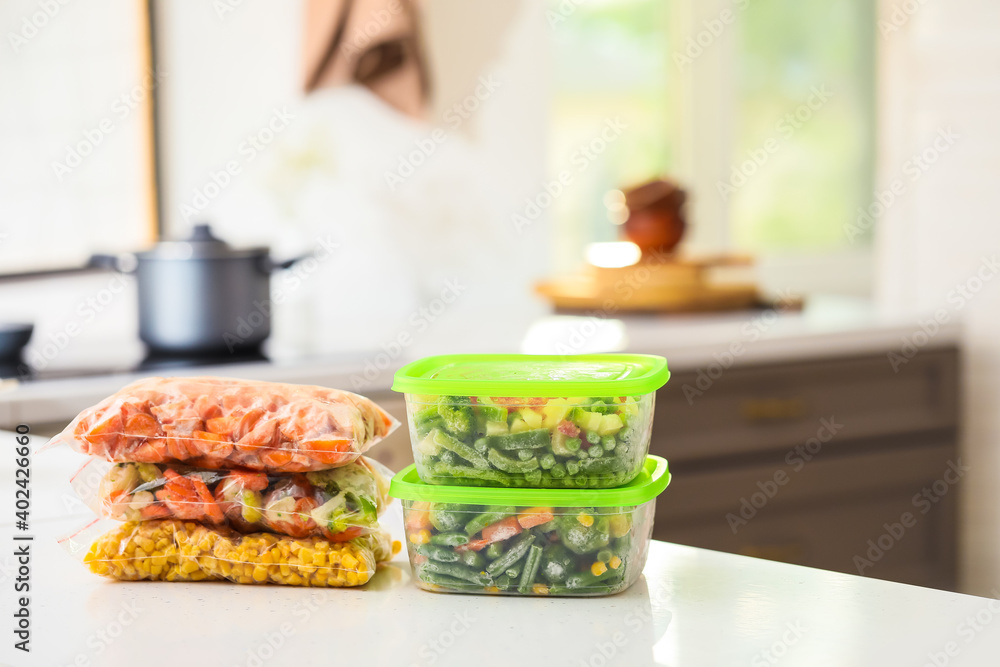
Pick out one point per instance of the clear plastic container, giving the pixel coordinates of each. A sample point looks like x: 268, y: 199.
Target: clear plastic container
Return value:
x: 529, y: 541
x: 531, y: 421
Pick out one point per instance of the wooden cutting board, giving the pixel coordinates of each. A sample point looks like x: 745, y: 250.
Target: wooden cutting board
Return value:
x: 656, y: 284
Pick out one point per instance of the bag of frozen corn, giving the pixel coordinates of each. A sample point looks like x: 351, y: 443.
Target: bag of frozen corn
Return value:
x: 172, y: 550
x: 222, y: 423
x: 338, y: 504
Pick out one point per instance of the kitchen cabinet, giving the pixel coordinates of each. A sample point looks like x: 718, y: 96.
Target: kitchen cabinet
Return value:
x: 840, y: 464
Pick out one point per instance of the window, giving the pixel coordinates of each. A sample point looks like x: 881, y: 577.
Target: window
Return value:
x: 761, y: 109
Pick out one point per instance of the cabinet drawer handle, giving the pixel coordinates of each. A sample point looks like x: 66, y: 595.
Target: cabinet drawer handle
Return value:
x: 772, y: 409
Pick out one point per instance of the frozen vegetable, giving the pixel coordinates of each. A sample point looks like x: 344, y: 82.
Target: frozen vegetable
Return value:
x: 526, y: 550
x: 338, y: 504
x: 221, y: 423
x: 530, y: 442
x: 171, y: 550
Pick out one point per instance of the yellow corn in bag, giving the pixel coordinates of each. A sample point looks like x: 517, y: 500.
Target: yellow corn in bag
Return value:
x: 171, y: 550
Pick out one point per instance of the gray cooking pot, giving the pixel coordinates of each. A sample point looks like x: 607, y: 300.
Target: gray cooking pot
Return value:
x: 200, y: 295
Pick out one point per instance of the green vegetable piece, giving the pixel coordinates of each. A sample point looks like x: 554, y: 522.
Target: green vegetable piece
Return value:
x: 530, y: 569
x: 573, y: 444
x: 450, y: 458
x: 507, y: 464
x: 490, y: 411
x: 449, y: 539
x: 581, y: 539
x: 593, y: 437
x: 518, y: 549
x: 447, y: 517
x: 431, y: 577
x: 533, y: 477
x: 456, y: 411
x: 460, y: 448
x: 595, y: 452
x: 494, y: 551
x: 473, y: 559
x: 481, y: 445
x: 547, y: 460
x: 492, y: 514
x: 525, y: 454
x: 445, y: 473
x: 557, y: 563
x: 513, y: 572
x: 604, y: 555
x: 437, y: 552
x: 609, y: 443
x: 457, y: 571
x: 585, y: 580
x: 503, y: 582
x: 558, y: 471
x: 572, y: 467
x: 533, y: 439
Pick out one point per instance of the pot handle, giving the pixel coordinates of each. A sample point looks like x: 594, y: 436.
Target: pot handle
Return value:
x: 269, y: 265
x: 122, y: 263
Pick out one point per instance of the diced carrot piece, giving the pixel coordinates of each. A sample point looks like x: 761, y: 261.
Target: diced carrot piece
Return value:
x: 142, y: 426
x: 473, y: 545
x: 263, y: 435
x: 346, y: 535
x: 223, y: 425
x: 106, y: 435
x: 209, y: 506
x: 534, y: 516
x: 254, y: 481
x: 501, y: 530
x: 154, y: 511
x: 418, y: 517
x: 246, y: 422
x: 328, y: 452
x: 275, y: 458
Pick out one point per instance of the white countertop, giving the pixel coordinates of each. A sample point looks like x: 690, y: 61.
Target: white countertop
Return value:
x: 691, y: 607
x: 826, y: 328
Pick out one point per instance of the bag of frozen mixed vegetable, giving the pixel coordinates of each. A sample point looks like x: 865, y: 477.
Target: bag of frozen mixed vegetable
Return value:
x: 172, y: 550
x: 222, y: 423
x: 338, y: 504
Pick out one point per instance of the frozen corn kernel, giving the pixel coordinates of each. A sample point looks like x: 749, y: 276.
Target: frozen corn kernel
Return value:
x: 615, y: 562
x: 540, y: 589
x: 598, y: 568
x: 420, y: 537
x: 190, y: 552
x: 585, y: 519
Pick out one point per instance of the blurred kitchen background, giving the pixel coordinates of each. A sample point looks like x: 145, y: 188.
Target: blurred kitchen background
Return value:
x: 791, y: 200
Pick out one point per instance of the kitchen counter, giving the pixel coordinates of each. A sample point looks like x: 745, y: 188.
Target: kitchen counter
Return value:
x: 691, y: 607
x: 825, y: 328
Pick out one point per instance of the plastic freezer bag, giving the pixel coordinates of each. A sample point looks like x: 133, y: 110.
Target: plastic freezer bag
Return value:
x: 225, y: 423
x: 171, y: 550
x: 338, y: 504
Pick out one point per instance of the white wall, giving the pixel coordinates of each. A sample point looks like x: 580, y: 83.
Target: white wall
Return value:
x: 324, y: 175
x: 940, y: 70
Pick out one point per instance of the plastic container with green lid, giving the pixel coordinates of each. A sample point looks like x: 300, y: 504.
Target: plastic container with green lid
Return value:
x: 529, y: 541
x: 530, y: 420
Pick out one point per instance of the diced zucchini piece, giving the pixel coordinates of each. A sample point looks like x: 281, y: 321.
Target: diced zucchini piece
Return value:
x: 610, y: 424
x: 559, y: 447
x: 630, y: 407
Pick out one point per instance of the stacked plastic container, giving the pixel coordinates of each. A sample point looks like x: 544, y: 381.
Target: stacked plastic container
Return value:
x: 251, y: 482
x: 531, y: 473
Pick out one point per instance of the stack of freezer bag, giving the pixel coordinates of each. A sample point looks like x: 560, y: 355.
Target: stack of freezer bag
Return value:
x: 250, y: 482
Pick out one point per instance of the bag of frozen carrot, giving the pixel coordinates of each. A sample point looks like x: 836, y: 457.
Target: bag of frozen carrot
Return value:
x: 222, y: 423
x: 173, y: 550
x: 339, y: 504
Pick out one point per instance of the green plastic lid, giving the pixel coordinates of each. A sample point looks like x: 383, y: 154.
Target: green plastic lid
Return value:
x: 652, y: 480
x: 530, y: 375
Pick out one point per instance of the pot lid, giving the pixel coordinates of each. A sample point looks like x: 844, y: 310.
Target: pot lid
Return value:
x: 201, y: 244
